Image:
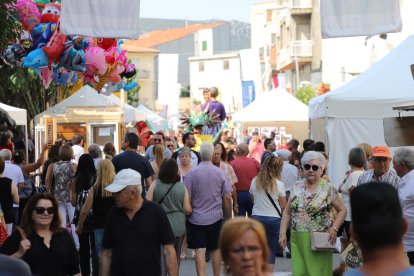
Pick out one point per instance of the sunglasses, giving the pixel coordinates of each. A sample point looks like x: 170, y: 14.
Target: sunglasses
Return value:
x: 41, y: 210
x: 157, y: 140
x: 307, y: 167
x: 170, y: 146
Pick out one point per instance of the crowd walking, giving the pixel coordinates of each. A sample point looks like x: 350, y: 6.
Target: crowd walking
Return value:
x: 243, y: 204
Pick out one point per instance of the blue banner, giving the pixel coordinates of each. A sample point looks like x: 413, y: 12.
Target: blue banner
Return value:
x: 248, y: 92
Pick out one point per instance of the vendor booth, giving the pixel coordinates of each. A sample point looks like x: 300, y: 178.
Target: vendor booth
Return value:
x: 362, y: 111
x: 101, y: 119
x: 279, y: 111
x: 19, y: 115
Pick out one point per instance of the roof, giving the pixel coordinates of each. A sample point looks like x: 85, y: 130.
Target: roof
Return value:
x: 159, y: 37
x: 135, y: 49
x: 19, y: 115
x: 374, y: 93
x: 274, y: 105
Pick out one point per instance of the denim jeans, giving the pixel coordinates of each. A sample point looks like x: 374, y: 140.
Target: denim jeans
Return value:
x: 271, y: 225
x: 245, y: 203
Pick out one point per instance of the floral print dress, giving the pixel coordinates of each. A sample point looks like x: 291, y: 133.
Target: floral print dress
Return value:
x: 312, y: 211
x: 63, y: 174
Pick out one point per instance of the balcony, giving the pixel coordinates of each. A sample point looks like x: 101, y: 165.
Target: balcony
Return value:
x: 300, y: 7
x: 297, y: 49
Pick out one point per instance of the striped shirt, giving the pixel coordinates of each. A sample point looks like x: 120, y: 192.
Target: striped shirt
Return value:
x: 206, y: 185
x: 389, y: 177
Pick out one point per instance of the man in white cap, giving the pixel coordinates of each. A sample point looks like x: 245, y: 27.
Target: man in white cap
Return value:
x: 135, y: 231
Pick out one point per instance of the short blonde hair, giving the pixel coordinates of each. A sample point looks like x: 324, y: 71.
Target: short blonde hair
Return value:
x: 367, y: 148
x: 232, y: 231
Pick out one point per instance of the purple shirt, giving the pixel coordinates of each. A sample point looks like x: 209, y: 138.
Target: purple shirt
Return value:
x: 217, y: 107
x: 206, y: 185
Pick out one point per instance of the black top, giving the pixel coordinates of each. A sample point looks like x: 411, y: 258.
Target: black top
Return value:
x: 136, y: 244
x: 60, y: 259
x: 132, y: 160
x: 100, y: 209
x: 6, y: 199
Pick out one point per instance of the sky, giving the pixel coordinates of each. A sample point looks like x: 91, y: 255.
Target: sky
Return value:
x: 197, y: 9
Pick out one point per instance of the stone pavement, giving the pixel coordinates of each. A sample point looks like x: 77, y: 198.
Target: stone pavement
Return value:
x: 283, y: 268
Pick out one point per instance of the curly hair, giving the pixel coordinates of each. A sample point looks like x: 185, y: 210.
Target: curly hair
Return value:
x: 270, y: 171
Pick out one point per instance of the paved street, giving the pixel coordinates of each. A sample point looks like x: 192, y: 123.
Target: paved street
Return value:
x: 283, y: 268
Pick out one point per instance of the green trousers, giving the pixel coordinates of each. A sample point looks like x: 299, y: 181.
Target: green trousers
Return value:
x: 306, y: 262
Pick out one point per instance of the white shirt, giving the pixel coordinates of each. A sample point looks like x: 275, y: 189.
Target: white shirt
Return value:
x: 13, y: 172
x: 406, y: 195
x: 77, y: 152
x: 261, y: 203
x: 350, y: 181
x: 289, y: 175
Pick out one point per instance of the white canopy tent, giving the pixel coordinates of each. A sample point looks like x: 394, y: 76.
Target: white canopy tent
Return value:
x: 19, y: 115
x: 276, y: 107
x: 157, y: 122
x: 355, y: 112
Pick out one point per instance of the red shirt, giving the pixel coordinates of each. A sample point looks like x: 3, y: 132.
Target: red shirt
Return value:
x: 246, y: 169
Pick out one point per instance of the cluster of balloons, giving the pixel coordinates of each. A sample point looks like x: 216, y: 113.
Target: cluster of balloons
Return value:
x: 64, y: 59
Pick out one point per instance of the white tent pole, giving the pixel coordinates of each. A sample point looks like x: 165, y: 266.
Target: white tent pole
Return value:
x: 27, y: 143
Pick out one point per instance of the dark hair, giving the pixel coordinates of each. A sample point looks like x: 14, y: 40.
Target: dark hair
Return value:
x: 27, y: 222
x: 376, y: 216
x: 2, y: 164
x: 85, y: 175
x: 18, y: 157
x: 160, y: 133
x: 169, y: 173
x: 356, y: 157
x: 267, y: 142
x: 65, y: 153
x: 230, y: 155
x: 308, y: 144
x: 319, y: 146
x: 4, y: 138
x: 109, y: 149
x: 132, y: 139
x: 294, y: 143
x: 53, y: 154
x: 185, y: 136
x: 255, y: 133
x: 223, y: 155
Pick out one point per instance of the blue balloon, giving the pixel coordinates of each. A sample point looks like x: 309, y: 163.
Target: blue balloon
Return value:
x: 36, y: 59
x: 43, y: 38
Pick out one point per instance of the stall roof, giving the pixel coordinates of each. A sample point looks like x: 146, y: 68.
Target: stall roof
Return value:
x: 86, y: 98
x: 19, y: 115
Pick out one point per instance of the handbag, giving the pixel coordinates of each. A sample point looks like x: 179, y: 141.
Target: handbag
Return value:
x: 320, y: 242
x: 274, y: 204
x: 352, y: 256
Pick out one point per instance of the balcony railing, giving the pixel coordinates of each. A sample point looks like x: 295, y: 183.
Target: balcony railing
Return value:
x: 300, y: 4
x: 301, y: 48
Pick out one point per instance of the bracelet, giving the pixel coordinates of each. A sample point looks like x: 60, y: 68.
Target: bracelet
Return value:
x: 334, y: 228
x: 235, y: 206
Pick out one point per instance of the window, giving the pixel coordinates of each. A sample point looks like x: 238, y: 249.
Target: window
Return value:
x: 226, y: 65
x: 204, y: 45
x: 201, y: 66
x: 269, y: 16
x: 103, y: 133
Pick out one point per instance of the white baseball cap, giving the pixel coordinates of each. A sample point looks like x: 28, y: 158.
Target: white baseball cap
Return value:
x: 124, y: 178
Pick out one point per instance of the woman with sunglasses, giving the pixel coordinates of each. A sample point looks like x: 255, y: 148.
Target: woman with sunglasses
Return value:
x: 41, y: 241
x: 310, y: 207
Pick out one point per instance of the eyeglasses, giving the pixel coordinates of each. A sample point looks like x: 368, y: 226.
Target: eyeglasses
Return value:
x: 157, y: 140
x: 41, y: 210
x: 249, y: 249
x: 307, y: 167
x: 170, y: 146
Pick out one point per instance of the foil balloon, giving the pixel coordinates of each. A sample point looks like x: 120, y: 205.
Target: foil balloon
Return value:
x: 63, y: 76
x: 39, y: 29
x: 29, y: 14
x: 14, y: 54
x: 95, y: 60
x: 43, y: 38
x: 46, y: 75
x: 36, y: 59
x: 26, y: 40
x: 50, y: 13
x: 73, y: 59
x: 106, y: 43
x: 54, y: 48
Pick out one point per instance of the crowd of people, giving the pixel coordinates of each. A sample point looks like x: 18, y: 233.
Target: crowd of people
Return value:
x: 139, y: 212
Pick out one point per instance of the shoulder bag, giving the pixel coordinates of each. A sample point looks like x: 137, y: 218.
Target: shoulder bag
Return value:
x: 274, y: 204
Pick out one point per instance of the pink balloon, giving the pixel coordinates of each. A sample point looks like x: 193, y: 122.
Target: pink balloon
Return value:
x: 29, y: 14
x: 95, y: 60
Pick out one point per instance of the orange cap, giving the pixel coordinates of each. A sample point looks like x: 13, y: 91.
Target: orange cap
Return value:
x: 380, y: 151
